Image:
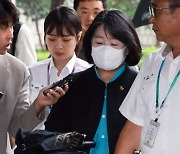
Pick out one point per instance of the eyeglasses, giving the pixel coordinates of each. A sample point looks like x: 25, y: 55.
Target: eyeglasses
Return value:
x: 153, y: 10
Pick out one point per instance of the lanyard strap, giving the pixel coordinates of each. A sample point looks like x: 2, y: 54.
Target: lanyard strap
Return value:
x: 48, y: 71
x: 48, y: 74
x: 158, y: 108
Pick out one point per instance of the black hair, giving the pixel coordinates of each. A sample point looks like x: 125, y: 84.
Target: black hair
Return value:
x: 63, y: 17
x: 118, y: 25
x: 8, y: 11
x: 174, y: 3
x: 76, y: 3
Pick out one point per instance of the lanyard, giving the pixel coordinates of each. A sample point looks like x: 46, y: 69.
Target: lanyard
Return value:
x: 158, y: 106
x: 48, y: 71
x: 48, y: 76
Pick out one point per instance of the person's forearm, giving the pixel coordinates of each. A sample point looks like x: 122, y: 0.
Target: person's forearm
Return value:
x: 129, y: 139
x: 38, y: 109
x: 49, y: 99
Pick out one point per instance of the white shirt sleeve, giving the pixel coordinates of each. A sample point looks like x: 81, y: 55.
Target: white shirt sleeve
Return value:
x: 25, y: 46
x: 132, y: 107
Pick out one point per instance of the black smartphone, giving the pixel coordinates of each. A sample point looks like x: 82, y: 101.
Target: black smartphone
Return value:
x: 61, y: 83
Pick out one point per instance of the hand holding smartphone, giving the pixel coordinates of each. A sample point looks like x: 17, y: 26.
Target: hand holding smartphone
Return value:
x: 61, y: 83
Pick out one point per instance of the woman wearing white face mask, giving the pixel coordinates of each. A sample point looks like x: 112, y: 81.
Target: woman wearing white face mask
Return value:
x: 91, y: 104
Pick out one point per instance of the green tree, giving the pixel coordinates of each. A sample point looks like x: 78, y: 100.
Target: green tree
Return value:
x: 128, y: 6
x: 36, y: 10
x: 55, y: 3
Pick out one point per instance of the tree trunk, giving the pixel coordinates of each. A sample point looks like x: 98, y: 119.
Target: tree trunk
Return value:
x: 55, y: 3
x: 39, y: 36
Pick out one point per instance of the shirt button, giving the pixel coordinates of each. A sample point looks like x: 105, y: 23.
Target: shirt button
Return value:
x: 102, y: 136
x: 103, y: 116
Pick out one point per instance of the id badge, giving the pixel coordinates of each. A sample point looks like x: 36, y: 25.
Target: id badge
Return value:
x: 151, y: 133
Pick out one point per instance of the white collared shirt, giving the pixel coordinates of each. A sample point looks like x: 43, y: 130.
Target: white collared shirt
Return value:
x: 139, y: 104
x: 44, y: 73
x: 74, y: 65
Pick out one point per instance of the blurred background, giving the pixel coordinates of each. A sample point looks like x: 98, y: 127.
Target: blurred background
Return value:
x: 33, y: 13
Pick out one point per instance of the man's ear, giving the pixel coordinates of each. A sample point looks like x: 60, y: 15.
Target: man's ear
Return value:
x: 79, y: 36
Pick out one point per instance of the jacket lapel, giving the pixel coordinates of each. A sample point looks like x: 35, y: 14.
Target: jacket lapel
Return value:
x: 4, y: 73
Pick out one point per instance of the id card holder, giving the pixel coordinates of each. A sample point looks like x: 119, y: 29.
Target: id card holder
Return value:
x: 151, y: 133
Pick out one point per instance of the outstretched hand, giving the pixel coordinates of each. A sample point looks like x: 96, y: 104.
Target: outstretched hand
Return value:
x: 52, y: 97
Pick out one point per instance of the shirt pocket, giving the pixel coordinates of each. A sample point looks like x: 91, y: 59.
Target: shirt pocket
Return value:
x: 148, y: 97
x: 148, y: 90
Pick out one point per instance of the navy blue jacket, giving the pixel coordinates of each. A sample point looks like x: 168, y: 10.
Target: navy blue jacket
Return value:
x: 81, y: 108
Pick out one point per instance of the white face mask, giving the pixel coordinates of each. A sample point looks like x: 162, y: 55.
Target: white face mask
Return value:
x: 107, y: 57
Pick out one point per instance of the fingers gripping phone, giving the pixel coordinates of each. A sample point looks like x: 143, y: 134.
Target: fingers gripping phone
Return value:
x: 61, y: 83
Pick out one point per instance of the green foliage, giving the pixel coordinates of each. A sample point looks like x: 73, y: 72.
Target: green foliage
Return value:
x: 41, y: 54
x: 146, y: 52
x: 40, y: 8
x: 34, y: 8
x: 128, y: 6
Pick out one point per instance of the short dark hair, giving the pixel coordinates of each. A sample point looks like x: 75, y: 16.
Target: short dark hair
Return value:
x: 63, y: 17
x: 8, y: 11
x: 118, y: 25
x: 76, y: 3
x: 174, y: 3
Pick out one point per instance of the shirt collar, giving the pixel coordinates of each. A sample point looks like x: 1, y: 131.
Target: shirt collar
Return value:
x: 68, y: 67
x: 167, y: 50
x: 117, y: 73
